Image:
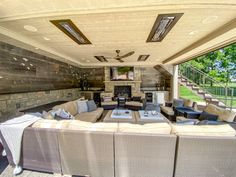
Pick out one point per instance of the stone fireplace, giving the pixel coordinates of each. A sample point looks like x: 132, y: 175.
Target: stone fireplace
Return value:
x: 135, y: 85
x: 122, y: 91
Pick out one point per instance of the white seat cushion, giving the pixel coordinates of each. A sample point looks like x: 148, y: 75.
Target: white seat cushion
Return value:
x: 109, y: 103
x: 46, y: 123
x: 88, y: 126
x: 92, y: 116
x: 168, y: 110
x: 154, y: 128
x: 134, y: 103
x: 203, y: 130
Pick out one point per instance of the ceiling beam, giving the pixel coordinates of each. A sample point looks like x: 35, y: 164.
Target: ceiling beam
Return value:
x: 115, y: 9
x: 205, y: 51
x: 218, y: 32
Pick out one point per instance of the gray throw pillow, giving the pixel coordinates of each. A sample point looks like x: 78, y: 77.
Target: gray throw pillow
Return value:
x: 91, y: 105
x: 82, y: 106
x: 64, y: 114
x: 178, y: 103
x: 207, y: 116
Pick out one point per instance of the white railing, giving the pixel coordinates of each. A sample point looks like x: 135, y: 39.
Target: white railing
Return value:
x: 209, y: 85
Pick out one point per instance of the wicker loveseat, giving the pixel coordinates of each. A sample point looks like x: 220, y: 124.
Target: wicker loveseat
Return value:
x: 121, y: 149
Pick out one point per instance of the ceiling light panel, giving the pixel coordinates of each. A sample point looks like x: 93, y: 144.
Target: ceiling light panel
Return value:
x: 143, y: 57
x: 69, y: 28
x: 101, y: 58
x: 163, y: 24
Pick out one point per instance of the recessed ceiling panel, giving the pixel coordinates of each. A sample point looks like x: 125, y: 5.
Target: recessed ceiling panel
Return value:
x: 69, y: 28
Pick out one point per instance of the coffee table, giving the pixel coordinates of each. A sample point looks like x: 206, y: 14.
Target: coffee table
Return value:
x: 141, y: 117
x: 120, y: 115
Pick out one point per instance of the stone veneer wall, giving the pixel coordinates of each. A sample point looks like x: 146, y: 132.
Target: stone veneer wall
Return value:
x: 26, y: 71
x: 10, y: 104
x: 135, y: 85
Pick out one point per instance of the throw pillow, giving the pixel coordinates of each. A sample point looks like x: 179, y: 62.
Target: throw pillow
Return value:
x: 209, y: 122
x: 207, y: 116
x: 227, y: 115
x: 178, y: 103
x: 187, y: 122
x: 188, y: 103
x: 48, y: 115
x: 82, y: 106
x: 64, y: 114
x: 136, y: 98
x: 107, y: 99
x: 91, y: 105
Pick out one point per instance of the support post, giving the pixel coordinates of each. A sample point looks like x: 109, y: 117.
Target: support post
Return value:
x: 175, y: 87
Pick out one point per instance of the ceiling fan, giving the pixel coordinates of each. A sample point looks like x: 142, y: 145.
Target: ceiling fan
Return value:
x: 120, y: 57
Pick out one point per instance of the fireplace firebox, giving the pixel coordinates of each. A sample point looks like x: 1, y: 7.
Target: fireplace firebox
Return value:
x: 122, y: 91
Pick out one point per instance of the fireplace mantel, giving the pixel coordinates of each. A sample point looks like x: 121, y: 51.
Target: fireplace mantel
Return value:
x: 135, y: 85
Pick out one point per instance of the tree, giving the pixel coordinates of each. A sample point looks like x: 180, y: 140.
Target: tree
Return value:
x: 219, y: 64
x: 227, y: 63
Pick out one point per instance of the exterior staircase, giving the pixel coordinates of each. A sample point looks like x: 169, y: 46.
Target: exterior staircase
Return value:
x: 201, y: 93
x: 201, y: 84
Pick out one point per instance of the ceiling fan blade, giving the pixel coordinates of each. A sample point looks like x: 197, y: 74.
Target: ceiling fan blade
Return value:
x: 127, y: 55
x: 121, y: 61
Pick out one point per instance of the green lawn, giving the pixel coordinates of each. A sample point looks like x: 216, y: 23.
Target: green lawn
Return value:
x: 188, y: 94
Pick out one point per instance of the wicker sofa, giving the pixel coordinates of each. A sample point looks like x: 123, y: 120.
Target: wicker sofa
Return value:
x: 170, y: 110
x: 137, y: 101
x: 204, y: 156
x: 72, y: 108
x: 40, y: 150
x: 107, y: 101
x: 205, y: 151
x: 96, y: 149
x: 127, y: 150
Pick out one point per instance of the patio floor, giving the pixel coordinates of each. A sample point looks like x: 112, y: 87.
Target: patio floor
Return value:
x: 6, y: 171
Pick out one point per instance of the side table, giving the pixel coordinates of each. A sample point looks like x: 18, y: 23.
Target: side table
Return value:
x: 121, y: 101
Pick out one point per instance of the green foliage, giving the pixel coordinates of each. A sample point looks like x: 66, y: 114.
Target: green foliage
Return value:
x: 219, y: 64
x: 124, y: 70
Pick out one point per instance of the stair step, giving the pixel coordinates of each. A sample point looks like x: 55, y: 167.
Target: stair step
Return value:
x: 190, y: 84
x: 221, y: 104
x: 214, y: 100
x: 201, y: 92
x: 195, y: 88
x: 207, y: 96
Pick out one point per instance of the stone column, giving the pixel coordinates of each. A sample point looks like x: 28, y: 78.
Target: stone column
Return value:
x: 175, y: 88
